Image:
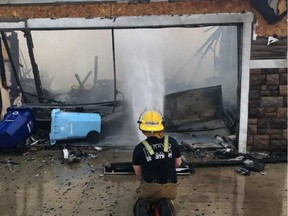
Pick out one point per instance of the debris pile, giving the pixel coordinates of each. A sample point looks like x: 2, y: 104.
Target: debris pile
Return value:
x: 199, y: 155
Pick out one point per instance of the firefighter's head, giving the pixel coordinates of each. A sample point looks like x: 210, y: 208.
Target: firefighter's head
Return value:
x: 151, y: 121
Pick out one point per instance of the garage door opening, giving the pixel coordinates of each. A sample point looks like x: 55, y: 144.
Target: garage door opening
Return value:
x: 195, y: 69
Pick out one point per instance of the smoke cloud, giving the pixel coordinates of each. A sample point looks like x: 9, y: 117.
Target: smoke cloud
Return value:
x: 149, y: 62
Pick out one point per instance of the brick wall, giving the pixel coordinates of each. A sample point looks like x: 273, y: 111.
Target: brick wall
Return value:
x: 267, y: 120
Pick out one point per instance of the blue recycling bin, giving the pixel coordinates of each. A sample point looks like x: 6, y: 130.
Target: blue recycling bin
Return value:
x: 17, y: 125
x: 74, y: 125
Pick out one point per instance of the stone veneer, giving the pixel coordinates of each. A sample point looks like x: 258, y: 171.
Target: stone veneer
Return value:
x: 267, y: 120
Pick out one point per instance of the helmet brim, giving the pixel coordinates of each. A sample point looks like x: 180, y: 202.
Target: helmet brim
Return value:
x: 158, y: 127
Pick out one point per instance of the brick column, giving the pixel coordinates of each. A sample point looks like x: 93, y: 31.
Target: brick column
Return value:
x: 267, y: 123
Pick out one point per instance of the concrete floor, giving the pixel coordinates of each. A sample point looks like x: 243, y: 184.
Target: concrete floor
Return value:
x: 39, y: 184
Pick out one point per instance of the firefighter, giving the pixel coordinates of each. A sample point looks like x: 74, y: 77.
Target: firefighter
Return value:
x: 155, y: 160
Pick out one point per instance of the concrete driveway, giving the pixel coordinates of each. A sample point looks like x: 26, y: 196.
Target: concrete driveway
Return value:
x: 39, y: 184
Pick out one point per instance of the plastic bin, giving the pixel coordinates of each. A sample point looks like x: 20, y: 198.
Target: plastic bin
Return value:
x: 72, y: 125
x: 17, y: 125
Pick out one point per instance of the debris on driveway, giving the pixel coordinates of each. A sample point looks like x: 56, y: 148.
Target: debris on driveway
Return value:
x: 251, y: 165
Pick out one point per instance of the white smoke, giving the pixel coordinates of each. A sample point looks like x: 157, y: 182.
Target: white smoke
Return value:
x: 145, y: 87
x: 144, y: 59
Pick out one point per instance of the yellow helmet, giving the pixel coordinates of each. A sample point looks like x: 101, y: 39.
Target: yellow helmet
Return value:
x: 151, y: 120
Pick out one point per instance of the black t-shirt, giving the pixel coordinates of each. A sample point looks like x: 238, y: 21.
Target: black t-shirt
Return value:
x: 160, y: 167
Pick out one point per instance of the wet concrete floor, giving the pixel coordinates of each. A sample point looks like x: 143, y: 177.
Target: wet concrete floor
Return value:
x: 40, y: 184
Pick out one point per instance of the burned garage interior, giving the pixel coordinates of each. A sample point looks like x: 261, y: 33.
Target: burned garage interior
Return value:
x: 197, y: 86
x: 75, y: 76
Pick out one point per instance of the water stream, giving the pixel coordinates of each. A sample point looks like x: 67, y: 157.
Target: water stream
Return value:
x: 145, y: 86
